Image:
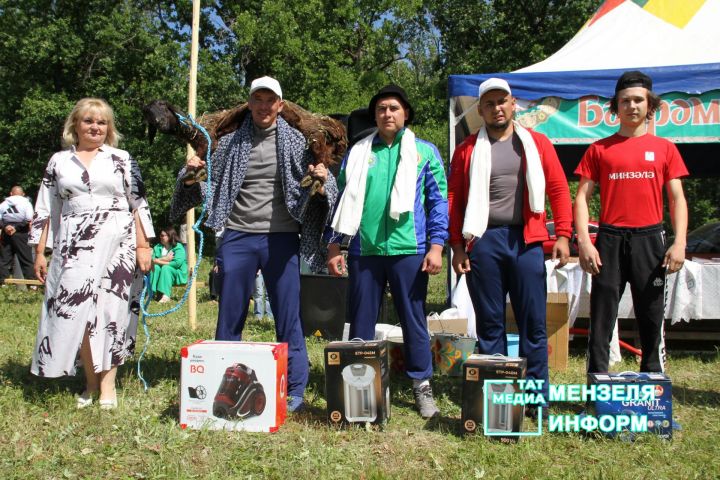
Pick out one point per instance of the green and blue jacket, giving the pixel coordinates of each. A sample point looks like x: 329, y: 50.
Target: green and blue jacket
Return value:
x: 413, y: 232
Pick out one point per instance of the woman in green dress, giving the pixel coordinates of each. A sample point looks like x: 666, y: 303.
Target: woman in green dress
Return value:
x: 169, y: 264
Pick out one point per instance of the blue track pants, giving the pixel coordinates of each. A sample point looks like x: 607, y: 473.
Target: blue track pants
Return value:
x: 276, y: 255
x: 408, y: 286
x: 501, y: 264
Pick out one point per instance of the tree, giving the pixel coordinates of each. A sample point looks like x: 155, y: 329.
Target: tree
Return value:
x: 53, y: 53
x: 330, y: 56
x: 504, y: 35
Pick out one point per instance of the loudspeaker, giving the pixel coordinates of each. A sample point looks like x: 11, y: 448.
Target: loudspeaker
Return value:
x: 323, y: 305
x: 360, y: 124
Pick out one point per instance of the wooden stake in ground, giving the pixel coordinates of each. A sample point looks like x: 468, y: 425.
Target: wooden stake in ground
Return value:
x: 190, y: 216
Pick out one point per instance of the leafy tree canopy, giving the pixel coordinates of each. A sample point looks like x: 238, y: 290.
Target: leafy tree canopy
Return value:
x: 329, y: 55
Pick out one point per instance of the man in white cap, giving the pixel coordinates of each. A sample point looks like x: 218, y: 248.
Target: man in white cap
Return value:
x: 258, y: 200
x: 499, y: 178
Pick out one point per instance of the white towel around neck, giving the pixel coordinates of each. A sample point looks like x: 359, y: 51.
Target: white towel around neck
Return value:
x: 402, y: 198
x: 477, y: 210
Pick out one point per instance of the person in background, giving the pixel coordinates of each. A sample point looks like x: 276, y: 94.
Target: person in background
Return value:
x: 183, y: 237
x: 631, y: 167
x: 261, y: 299
x: 91, y: 209
x: 169, y: 264
x: 394, y: 206
x: 16, y: 213
x: 213, y: 282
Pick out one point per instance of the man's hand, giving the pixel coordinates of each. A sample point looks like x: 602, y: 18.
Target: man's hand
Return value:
x: 335, y: 260
x: 40, y: 267
x: 432, y: 263
x: 460, y: 260
x: 589, y: 258
x: 561, y: 251
x: 674, y: 258
x: 193, y: 163
x: 318, y: 172
x: 9, y: 230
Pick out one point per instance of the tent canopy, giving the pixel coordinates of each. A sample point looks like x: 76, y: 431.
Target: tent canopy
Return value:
x: 690, y: 79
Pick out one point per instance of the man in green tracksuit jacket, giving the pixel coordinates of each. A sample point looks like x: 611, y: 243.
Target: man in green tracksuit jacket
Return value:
x: 394, y: 207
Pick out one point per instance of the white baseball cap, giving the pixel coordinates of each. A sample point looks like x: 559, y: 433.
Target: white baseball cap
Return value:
x: 493, y: 84
x: 267, y: 83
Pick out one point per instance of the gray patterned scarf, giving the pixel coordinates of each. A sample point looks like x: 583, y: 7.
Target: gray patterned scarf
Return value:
x: 230, y: 161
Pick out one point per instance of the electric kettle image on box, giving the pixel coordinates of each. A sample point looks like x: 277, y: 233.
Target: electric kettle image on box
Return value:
x: 240, y: 395
x: 499, y: 416
x: 359, y: 388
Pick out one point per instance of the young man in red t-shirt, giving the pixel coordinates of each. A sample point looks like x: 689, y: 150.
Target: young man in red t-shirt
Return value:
x: 631, y: 168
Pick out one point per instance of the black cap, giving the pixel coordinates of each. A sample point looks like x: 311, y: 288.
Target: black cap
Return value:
x: 392, y: 90
x: 633, y: 78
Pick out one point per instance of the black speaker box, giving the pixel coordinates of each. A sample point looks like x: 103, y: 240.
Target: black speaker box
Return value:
x: 323, y: 305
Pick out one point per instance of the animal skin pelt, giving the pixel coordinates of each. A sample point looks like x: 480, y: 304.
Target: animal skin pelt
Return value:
x: 326, y: 137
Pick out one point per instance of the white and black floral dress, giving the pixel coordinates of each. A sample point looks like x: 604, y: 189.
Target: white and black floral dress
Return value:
x: 92, y: 279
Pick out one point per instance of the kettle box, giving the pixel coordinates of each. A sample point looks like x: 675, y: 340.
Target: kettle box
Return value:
x: 357, y: 382
x: 502, y: 418
x: 233, y: 386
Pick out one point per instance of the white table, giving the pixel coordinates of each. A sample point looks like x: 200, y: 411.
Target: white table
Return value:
x: 691, y: 294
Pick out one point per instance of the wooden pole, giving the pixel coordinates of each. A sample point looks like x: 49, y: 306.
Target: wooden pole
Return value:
x: 190, y: 215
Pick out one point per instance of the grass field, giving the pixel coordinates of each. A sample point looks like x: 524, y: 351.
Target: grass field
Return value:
x: 42, y: 435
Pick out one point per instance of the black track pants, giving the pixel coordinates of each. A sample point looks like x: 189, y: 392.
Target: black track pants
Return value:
x: 631, y: 255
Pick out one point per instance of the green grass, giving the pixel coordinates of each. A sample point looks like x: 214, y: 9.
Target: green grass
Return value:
x: 43, y: 436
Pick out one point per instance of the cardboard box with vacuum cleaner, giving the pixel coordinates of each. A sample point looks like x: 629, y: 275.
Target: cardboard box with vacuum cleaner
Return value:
x: 233, y: 386
x: 657, y: 411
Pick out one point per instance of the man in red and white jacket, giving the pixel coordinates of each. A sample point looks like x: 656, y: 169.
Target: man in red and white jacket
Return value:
x: 631, y: 167
x: 498, y: 181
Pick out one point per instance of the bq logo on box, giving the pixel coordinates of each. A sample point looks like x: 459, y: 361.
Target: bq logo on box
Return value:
x: 501, y: 396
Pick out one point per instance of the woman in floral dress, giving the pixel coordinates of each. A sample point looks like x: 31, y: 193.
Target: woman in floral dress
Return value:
x: 91, y: 209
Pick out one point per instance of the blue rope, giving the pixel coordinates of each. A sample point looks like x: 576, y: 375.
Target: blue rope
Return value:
x: 147, y: 288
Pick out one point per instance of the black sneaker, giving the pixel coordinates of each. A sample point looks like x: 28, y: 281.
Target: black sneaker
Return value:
x: 295, y: 404
x: 424, y: 401
x: 531, y: 411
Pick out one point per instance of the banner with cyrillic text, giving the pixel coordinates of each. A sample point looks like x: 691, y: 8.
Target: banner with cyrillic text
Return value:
x: 681, y: 118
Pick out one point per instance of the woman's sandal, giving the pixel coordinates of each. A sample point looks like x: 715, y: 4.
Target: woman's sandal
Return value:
x: 109, y: 404
x: 85, y: 399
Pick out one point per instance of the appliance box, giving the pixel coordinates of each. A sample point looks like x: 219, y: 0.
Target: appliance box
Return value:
x: 558, y: 329
x: 233, y: 386
x: 658, y: 411
x: 357, y: 382
x: 501, y: 418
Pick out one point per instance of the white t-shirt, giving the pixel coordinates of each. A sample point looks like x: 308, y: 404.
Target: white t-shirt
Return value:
x: 15, y: 210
